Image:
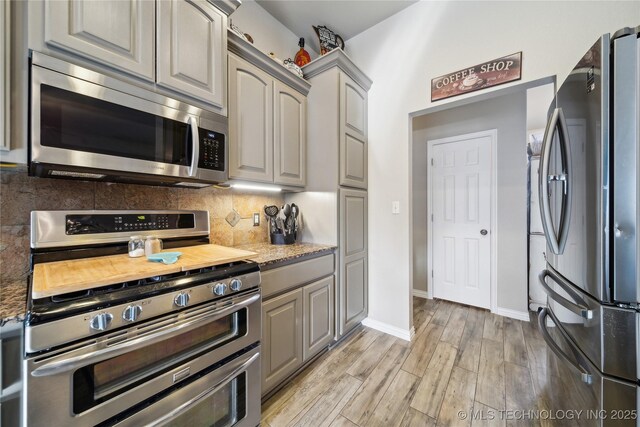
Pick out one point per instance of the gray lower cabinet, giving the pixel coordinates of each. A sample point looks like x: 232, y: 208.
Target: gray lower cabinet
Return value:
x: 353, y: 259
x: 281, y: 338
x: 298, y: 316
x: 318, y: 316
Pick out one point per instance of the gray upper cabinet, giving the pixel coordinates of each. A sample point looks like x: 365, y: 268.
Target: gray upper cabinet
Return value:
x: 290, y: 135
x: 250, y: 122
x: 119, y: 34
x: 267, y: 127
x: 281, y: 338
x: 353, y: 256
x: 353, y: 133
x: 192, y: 57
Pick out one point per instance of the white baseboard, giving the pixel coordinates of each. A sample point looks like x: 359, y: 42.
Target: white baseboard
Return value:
x: 514, y: 314
x: 420, y: 294
x: 389, y: 329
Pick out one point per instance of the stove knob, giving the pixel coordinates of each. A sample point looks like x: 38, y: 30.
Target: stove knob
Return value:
x: 182, y: 299
x: 101, y: 322
x: 236, y: 285
x: 131, y: 313
x: 220, y: 289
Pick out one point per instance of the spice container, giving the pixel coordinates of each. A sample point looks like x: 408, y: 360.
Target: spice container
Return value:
x: 152, y: 245
x: 136, y: 246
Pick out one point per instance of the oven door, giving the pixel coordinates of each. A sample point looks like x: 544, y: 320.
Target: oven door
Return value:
x: 80, y: 124
x: 227, y: 396
x: 93, y: 381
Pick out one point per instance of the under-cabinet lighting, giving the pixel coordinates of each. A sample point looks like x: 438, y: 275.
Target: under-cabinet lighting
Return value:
x: 270, y: 188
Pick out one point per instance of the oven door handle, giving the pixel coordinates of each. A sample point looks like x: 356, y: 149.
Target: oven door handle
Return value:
x: 578, y: 307
x: 167, y: 332
x: 585, y: 375
x: 238, y: 367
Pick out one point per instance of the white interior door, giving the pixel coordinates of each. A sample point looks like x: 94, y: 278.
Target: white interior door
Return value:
x: 460, y: 188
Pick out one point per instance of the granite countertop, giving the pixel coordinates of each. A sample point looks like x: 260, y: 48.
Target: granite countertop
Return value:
x: 269, y: 254
x: 13, y: 296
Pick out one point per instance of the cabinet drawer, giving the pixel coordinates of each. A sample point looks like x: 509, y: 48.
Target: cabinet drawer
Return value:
x: 280, y: 279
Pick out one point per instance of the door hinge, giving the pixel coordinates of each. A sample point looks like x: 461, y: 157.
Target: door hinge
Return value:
x: 432, y: 164
x: 431, y: 273
x: 431, y: 217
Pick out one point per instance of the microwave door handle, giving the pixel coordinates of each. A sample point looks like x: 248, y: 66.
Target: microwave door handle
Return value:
x: 585, y: 375
x: 195, y: 146
x: 171, y: 331
x: 543, y: 183
x: 578, y: 307
x: 238, y: 367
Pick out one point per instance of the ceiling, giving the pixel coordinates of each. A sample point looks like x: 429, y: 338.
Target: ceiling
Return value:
x: 346, y: 18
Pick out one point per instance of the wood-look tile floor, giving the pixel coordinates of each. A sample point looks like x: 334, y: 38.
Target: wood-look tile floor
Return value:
x: 461, y: 359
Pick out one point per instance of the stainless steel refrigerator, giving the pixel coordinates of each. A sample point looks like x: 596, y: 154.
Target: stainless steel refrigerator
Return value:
x: 589, y: 188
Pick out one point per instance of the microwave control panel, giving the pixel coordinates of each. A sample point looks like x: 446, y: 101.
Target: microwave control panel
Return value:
x: 108, y: 223
x: 212, y: 150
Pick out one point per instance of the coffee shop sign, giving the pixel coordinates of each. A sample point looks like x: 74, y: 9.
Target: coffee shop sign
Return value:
x: 481, y: 76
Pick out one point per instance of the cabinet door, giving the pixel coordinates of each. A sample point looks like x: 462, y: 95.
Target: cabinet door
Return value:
x: 192, y: 56
x: 318, y: 316
x: 281, y: 338
x: 250, y: 122
x: 353, y: 134
x: 353, y: 293
x: 119, y: 34
x: 290, y: 133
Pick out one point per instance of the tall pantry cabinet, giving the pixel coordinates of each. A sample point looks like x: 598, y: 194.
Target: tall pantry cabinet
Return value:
x: 334, y: 205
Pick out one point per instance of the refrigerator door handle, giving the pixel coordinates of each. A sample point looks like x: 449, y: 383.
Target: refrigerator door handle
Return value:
x: 556, y: 242
x: 584, y: 374
x: 578, y: 306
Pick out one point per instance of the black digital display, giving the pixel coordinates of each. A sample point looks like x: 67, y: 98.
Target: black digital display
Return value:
x: 96, y: 224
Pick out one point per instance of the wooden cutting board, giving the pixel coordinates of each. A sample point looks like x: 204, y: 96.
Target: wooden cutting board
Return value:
x: 61, y: 277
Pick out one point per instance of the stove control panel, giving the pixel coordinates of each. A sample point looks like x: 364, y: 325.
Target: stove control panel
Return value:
x: 114, y: 223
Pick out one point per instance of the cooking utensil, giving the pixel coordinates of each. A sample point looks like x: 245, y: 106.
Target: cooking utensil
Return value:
x: 272, y: 213
x: 293, y: 222
x: 286, y: 210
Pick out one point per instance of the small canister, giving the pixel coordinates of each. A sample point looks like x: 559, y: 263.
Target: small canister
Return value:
x: 136, y: 246
x: 152, y: 245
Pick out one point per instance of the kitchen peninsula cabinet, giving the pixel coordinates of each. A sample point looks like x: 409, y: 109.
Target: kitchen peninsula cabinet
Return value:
x: 335, y: 203
x: 267, y: 118
x: 297, y: 316
x: 178, y: 47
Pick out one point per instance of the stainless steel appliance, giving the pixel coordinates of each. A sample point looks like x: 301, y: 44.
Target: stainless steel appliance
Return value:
x: 179, y: 349
x: 589, y: 188
x: 90, y: 126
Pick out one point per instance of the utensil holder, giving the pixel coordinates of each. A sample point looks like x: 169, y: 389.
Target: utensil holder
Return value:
x: 281, y: 239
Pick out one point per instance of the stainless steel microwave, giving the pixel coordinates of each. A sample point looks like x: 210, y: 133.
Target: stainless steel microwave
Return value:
x: 87, y: 125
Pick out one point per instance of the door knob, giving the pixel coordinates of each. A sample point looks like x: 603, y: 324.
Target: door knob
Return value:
x: 483, y: 232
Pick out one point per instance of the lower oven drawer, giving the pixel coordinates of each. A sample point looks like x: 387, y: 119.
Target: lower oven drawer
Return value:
x: 593, y: 398
x: 227, y: 396
x: 90, y: 382
x: 594, y: 326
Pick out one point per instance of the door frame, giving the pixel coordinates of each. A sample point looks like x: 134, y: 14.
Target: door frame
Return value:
x: 493, y: 282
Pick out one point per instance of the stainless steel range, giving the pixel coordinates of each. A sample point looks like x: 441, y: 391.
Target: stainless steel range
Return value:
x: 177, y: 349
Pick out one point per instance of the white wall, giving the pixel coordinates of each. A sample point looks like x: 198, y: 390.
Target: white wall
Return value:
x: 403, y: 53
x: 268, y: 34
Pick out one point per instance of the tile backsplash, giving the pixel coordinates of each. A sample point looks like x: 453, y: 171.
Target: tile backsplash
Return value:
x: 20, y: 194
